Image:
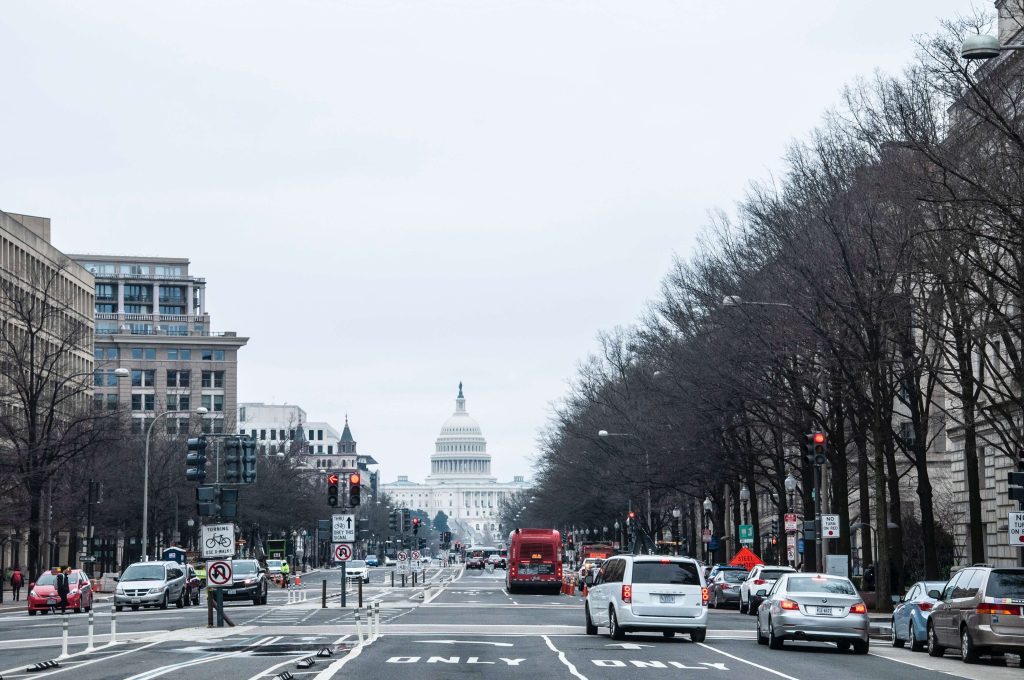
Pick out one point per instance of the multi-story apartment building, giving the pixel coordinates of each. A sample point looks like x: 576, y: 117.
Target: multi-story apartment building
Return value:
x: 151, y: 319
x: 29, y: 263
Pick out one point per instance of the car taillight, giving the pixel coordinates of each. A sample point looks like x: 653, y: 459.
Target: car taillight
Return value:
x: 859, y: 608
x: 704, y: 596
x: 924, y: 606
x: 759, y: 582
x: 991, y: 608
x: 790, y: 605
x: 627, y: 593
x: 725, y: 586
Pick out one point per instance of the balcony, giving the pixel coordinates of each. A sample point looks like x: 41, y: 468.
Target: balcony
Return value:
x: 143, y: 299
x: 176, y: 300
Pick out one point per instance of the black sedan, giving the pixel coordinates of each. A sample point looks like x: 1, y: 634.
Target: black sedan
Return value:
x: 250, y: 582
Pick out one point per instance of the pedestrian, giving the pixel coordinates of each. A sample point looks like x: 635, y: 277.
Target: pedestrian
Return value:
x: 63, y: 587
x: 17, y: 581
x: 284, y: 573
x: 869, y: 578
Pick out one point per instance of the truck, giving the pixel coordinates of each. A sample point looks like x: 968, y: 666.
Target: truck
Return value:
x: 277, y: 549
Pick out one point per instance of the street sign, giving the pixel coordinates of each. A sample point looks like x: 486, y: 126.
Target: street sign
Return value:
x: 343, y: 528
x: 342, y: 552
x: 830, y: 526
x: 403, y: 556
x: 416, y: 554
x: 403, y: 562
x: 218, y: 540
x: 1016, y: 526
x: 745, y: 558
x: 791, y: 521
x: 747, y: 534
x: 800, y: 545
x: 713, y: 544
x: 219, y: 573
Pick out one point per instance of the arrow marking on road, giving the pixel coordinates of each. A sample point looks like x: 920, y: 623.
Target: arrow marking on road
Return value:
x: 471, y: 642
x: 628, y: 645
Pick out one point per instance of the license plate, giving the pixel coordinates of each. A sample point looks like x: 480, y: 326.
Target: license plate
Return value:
x: 51, y: 601
x: 825, y: 611
x: 232, y: 592
x: 136, y: 600
x: 667, y: 599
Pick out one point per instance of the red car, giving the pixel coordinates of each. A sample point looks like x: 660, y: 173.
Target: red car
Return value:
x: 42, y: 595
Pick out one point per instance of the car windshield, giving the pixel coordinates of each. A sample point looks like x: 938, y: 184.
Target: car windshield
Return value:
x: 47, y: 579
x: 677, y: 573
x: 734, y: 576
x: 813, y: 584
x: 356, y: 564
x: 143, y: 572
x: 274, y: 563
x: 244, y: 567
x: 772, y: 574
x: 1008, y: 583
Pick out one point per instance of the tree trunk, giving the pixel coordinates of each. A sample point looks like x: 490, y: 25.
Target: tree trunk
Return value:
x: 864, y: 489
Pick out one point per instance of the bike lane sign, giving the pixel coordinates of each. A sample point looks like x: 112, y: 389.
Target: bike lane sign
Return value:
x: 218, y: 540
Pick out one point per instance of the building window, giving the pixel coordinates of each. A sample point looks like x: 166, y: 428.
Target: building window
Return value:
x: 213, y: 403
x: 330, y: 448
x: 177, y: 329
x: 320, y: 435
x: 137, y: 425
x: 143, y: 378
x: 213, y: 379
x: 311, y: 437
x: 213, y: 355
x: 176, y: 378
x: 136, y: 309
x: 104, y: 291
x: 143, y: 402
x: 273, y: 433
x: 178, y: 402
x: 112, y: 402
x: 137, y: 293
x: 106, y: 308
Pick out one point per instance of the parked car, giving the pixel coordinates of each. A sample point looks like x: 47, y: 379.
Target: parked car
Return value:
x: 150, y: 584
x: 249, y: 582
x: 724, y: 588
x: 371, y: 561
x: 356, y: 570
x: 193, y: 585
x: 588, y: 565
x: 761, y: 577
x: 274, y: 567
x: 817, y: 607
x: 42, y: 594
x: 910, y: 619
x: 978, y: 611
x: 723, y: 567
x: 647, y: 592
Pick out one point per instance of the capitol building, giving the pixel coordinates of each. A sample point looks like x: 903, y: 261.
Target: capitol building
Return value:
x: 460, y: 483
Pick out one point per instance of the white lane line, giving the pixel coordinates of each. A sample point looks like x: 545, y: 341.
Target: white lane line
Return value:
x: 561, y: 657
x: 104, y: 657
x: 164, y: 670
x: 749, y: 663
x: 332, y: 670
x: 910, y: 663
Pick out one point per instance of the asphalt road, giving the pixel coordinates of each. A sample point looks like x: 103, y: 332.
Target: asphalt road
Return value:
x: 468, y: 627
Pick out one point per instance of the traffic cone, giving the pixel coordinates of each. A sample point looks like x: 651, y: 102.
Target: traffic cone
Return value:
x: 584, y: 591
x: 298, y: 580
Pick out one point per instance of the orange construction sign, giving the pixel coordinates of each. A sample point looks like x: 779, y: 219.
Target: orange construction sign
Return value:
x: 745, y: 558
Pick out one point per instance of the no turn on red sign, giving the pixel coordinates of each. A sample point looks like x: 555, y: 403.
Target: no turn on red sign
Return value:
x: 830, y: 526
x: 1015, y: 523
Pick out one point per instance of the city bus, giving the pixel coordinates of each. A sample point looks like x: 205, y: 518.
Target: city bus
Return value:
x: 534, y: 560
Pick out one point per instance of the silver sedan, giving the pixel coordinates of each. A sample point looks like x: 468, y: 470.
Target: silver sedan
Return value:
x: 814, y: 607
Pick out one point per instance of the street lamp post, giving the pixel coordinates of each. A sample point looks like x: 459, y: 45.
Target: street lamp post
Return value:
x: 677, y: 528
x: 202, y: 410
x: 647, y: 467
x: 791, y: 484
x: 708, y: 505
x: 744, y: 499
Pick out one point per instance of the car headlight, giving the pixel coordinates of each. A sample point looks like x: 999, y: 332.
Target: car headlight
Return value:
x: 32, y: 593
x: 250, y: 581
x: 74, y: 592
x: 156, y: 591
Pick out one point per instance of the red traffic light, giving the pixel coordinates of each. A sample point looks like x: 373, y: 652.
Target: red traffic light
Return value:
x: 332, y: 478
x: 819, y: 438
x: 632, y: 515
x: 353, y: 479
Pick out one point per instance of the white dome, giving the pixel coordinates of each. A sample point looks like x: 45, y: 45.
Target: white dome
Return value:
x: 461, y: 447
x: 461, y: 425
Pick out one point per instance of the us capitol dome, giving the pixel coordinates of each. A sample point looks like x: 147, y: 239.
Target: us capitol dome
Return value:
x: 460, y: 483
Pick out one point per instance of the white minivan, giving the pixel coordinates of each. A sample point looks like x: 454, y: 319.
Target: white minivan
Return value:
x: 648, y: 593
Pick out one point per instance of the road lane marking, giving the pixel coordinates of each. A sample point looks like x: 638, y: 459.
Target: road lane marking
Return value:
x: 749, y: 663
x: 332, y: 670
x: 103, y: 657
x: 164, y: 670
x: 563, y: 659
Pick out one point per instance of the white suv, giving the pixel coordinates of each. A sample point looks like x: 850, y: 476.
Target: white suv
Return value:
x: 762, y: 576
x: 648, y: 592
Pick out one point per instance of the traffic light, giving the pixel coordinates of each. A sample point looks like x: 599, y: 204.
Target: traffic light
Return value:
x: 206, y: 501
x: 232, y: 460
x: 1016, y: 488
x: 423, y: 543
x: 775, y: 539
x: 332, y: 489
x: 775, y: 525
x: 415, y: 525
x: 406, y: 520
x: 353, y: 489
x: 196, y: 459
x: 248, y: 460
x: 816, y: 445
x: 394, y: 520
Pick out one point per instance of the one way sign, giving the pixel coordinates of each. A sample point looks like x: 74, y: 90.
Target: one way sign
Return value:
x: 343, y: 528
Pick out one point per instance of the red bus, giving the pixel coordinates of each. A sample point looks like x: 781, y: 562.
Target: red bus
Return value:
x: 534, y: 560
x: 600, y: 550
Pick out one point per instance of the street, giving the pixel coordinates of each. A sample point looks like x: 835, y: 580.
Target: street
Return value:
x: 470, y: 622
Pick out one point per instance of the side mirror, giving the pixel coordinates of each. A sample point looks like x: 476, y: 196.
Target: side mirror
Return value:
x: 903, y: 598
x: 935, y: 594
x: 761, y: 593
x: 116, y: 579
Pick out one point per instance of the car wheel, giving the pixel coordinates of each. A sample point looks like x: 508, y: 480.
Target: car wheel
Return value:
x: 968, y: 652
x: 118, y: 608
x: 751, y: 609
x: 843, y: 645
x: 761, y: 639
x: 861, y: 646
x: 743, y: 606
x: 894, y: 639
x: 591, y: 628
x: 934, y: 648
x: 614, y: 630
x: 135, y: 607
x: 915, y: 644
x: 263, y: 600
x: 180, y: 602
x: 163, y: 602
x: 32, y: 612
x: 699, y: 635
x: 78, y: 609
x: 774, y: 642
x: 195, y: 600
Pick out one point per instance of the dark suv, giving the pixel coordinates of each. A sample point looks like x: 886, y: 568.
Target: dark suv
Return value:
x: 249, y: 582
x: 979, y: 611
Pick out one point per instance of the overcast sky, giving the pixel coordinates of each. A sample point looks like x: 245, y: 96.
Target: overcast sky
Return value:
x: 390, y: 197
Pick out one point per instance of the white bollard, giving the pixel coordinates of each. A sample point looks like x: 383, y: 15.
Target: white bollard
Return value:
x: 376, y: 611
x: 64, y: 638
x: 359, y: 628
x: 113, y: 627
x: 89, y: 648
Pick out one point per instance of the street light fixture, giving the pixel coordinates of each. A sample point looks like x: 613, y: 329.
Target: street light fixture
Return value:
x: 744, y: 498
x: 736, y: 301
x: 202, y: 410
x: 984, y: 47
x: 707, y: 505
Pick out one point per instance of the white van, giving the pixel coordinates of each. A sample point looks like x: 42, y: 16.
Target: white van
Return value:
x: 648, y: 593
